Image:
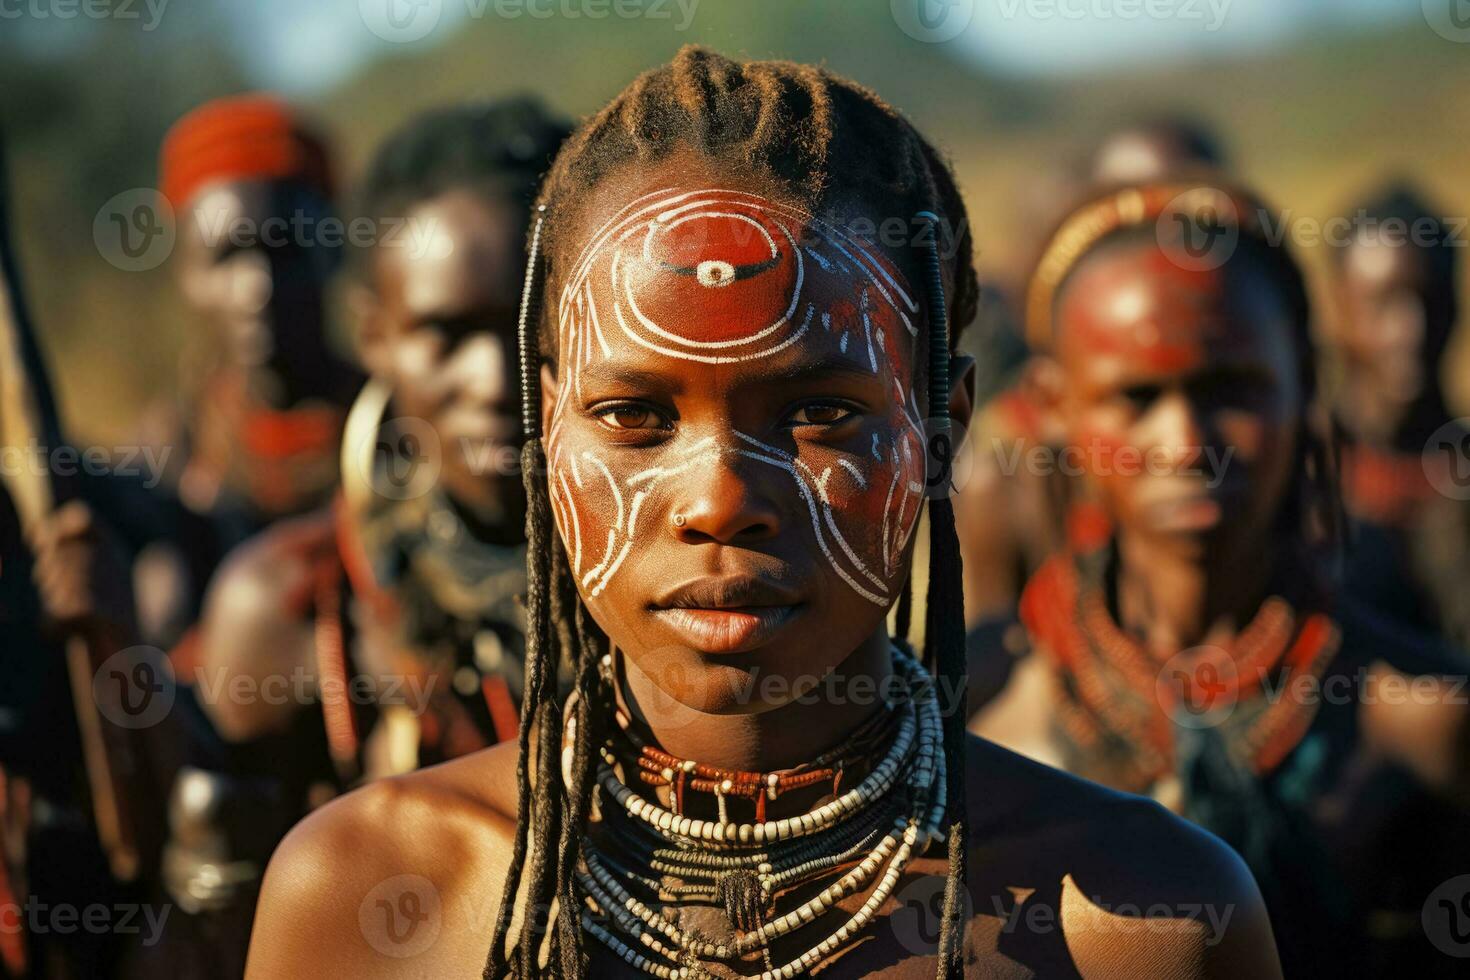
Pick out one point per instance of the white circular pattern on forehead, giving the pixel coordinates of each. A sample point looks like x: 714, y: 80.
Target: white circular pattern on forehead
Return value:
x: 802, y: 236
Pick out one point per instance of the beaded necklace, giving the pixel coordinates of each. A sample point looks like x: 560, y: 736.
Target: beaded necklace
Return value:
x: 869, y: 832
x: 1114, y: 714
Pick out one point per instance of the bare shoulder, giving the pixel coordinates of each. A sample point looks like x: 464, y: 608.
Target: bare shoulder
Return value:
x: 1128, y: 887
x: 255, y: 628
x: 399, y: 878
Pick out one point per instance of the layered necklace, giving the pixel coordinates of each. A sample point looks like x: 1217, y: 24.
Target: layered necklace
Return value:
x: 1118, y: 717
x: 651, y: 861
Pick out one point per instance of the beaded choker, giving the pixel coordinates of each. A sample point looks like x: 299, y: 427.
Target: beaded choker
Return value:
x: 1114, y: 716
x: 650, y: 862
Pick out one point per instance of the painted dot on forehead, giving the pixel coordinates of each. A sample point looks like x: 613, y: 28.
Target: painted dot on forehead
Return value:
x: 722, y: 276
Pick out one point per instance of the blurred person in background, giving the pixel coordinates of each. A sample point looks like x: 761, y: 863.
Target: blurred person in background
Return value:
x: 407, y: 591
x: 265, y: 398
x: 1155, y: 149
x: 82, y: 757
x: 1007, y: 510
x: 1396, y: 292
x: 1200, y: 651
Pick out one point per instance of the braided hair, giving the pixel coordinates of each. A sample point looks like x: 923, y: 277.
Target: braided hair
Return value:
x: 819, y: 137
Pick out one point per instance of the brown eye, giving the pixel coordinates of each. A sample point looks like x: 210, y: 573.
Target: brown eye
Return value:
x: 631, y: 417
x: 820, y: 415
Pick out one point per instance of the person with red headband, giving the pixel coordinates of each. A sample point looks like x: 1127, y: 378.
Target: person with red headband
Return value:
x: 400, y: 606
x: 1202, y: 650
x: 251, y: 187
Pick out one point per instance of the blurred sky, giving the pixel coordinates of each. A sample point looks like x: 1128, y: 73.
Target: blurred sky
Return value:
x: 305, y: 46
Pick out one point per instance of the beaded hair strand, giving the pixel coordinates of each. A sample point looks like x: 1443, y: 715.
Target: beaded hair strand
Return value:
x: 944, y: 631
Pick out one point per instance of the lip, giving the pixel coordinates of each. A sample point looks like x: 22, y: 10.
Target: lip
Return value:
x: 728, y: 614
x: 727, y: 630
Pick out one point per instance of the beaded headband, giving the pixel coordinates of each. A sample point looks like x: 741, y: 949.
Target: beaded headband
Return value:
x: 1210, y: 207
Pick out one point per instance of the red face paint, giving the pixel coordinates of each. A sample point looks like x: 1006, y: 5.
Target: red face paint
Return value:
x: 717, y: 292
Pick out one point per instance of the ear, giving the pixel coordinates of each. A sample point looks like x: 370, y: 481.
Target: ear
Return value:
x: 1044, y: 385
x: 548, y: 396
x: 369, y: 330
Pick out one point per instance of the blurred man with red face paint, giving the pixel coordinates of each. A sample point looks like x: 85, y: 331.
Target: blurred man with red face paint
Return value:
x: 1201, y: 652
x: 1008, y: 505
x: 406, y: 592
x: 251, y: 186
x: 1404, y: 457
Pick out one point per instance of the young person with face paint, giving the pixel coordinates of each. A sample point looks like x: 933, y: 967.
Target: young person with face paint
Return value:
x: 1199, y: 654
x: 728, y: 379
x: 1397, y: 285
x: 252, y: 189
x: 408, y: 589
x: 1007, y: 505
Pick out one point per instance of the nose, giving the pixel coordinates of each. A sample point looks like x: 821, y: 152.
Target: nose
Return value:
x: 1176, y: 426
x: 725, y: 502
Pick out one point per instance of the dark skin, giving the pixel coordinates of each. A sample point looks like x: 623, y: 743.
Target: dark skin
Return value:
x: 1153, y: 358
x: 259, y: 289
x: 438, y: 319
x: 1391, y: 340
x: 1031, y: 827
x: 442, y: 333
x: 1178, y: 368
x: 253, y: 264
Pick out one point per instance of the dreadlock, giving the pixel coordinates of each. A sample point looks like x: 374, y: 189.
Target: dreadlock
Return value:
x: 821, y: 139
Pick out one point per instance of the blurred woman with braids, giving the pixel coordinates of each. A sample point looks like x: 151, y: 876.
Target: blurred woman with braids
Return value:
x: 1198, y: 653
x: 726, y: 378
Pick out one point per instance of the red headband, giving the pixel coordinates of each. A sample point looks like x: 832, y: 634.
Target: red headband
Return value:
x: 240, y: 138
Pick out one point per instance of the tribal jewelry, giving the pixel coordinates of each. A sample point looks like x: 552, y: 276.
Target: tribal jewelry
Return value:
x: 651, y: 862
x: 1115, y: 712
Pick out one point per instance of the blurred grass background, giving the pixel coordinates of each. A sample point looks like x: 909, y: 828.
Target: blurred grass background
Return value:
x: 1311, y: 123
